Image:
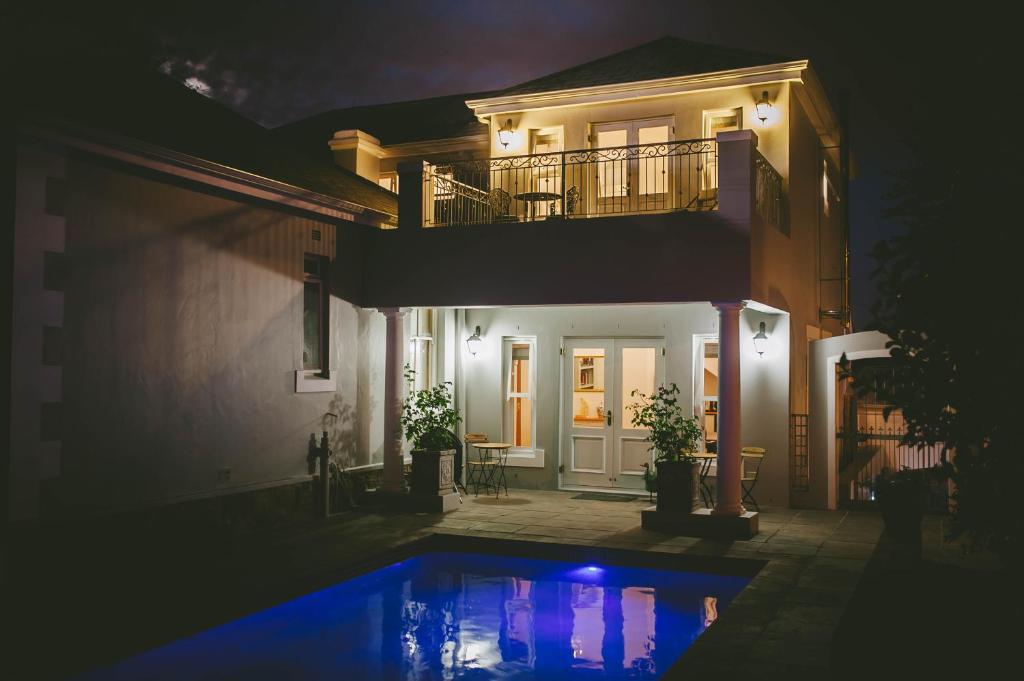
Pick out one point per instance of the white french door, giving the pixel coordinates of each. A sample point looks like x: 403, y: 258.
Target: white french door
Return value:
x: 600, y: 447
x: 638, y: 178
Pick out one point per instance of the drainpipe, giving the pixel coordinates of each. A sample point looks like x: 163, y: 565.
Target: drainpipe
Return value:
x: 844, y: 171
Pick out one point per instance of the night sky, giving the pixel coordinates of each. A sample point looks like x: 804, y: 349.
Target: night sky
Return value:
x: 904, y: 67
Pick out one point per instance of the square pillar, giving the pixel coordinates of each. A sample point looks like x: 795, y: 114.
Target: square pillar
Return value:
x: 736, y: 177
x: 415, y: 200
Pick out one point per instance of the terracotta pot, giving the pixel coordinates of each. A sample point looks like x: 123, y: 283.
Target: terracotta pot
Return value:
x: 433, y: 471
x: 677, y: 486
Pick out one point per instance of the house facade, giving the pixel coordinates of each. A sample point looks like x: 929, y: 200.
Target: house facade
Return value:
x: 626, y: 223
x: 596, y: 216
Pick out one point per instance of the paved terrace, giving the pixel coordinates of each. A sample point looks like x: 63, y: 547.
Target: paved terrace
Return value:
x: 106, y: 597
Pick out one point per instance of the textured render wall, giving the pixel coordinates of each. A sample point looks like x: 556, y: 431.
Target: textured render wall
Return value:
x: 183, y: 329
x: 764, y: 382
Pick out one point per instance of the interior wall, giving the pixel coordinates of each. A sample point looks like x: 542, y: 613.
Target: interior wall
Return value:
x: 764, y: 381
x: 182, y: 335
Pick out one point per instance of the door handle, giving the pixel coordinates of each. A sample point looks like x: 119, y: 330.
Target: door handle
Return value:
x: 608, y: 414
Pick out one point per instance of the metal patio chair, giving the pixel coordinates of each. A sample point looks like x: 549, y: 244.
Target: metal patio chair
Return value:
x: 748, y: 479
x: 475, y: 469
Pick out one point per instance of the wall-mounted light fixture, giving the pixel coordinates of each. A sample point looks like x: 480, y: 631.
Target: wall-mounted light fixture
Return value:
x: 760, y: 340
x: 474, y: 342
x: 505, y: 133
x: 763, y: 105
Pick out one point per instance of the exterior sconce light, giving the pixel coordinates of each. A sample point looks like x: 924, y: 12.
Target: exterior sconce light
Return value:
x: 760, y: 340
x: 474, y: 342
x: 505, y: 133
x: 762, y: 107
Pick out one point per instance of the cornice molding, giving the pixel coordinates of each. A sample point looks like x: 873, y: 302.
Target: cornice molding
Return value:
x: 660, y: 87
x: 439, y: 146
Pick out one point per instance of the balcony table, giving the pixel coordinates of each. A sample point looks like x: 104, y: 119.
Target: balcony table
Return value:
x: 531, y: 199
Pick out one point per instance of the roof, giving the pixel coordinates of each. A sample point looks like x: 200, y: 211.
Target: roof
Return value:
x: 662, y: 58
x: 394, y: 123
x: 150, y: 107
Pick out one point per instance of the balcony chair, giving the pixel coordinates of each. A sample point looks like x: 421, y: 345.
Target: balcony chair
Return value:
x: 572, y: 201
x: 749, y: 478
x: 500, y: 201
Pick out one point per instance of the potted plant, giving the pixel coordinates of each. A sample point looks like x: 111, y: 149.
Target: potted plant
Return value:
x: 428, y: 419
x: 902, y: 495
x: 673, y: 436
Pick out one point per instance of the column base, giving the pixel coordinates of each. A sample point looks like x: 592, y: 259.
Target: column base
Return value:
x: 413, y: 503
x: 701, y: 523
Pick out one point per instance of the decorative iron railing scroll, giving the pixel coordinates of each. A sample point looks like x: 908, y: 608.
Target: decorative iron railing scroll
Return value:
x: 641, y: 178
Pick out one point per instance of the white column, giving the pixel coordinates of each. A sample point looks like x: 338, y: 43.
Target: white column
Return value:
x: 393, y: 391
x: 729, y: 500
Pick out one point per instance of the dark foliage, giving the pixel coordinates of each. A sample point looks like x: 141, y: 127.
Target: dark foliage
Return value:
x: 947, y: 288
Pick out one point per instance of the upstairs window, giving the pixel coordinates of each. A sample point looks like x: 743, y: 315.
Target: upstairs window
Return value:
x: 389, y: 181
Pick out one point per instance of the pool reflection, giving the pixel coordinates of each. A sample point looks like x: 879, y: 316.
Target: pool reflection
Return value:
x: 459, y: 616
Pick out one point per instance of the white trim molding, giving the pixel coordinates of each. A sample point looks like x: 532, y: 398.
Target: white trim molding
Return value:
x: 659, y: 87
x: 440, y: 146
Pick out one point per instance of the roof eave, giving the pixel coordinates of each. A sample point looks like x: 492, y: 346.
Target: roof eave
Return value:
x: 154, y: 157
x: 659, y: 87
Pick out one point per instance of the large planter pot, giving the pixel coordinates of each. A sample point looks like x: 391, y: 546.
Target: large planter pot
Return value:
x: 677, y: 486
x: 433, y: 471
x: 902, y: 510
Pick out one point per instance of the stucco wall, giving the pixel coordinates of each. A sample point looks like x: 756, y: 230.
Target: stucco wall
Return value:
x: 183, y: 330
x: 764, y: 381
x: 687, y: 111
x: 822, y: 427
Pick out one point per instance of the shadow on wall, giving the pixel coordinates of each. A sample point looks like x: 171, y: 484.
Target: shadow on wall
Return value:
x: 340, y: 424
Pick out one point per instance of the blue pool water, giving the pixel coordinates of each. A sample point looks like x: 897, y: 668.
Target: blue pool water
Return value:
x: 459, y: 616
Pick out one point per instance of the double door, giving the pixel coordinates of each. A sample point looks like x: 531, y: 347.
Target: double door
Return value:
x: 635, y: 166
x: 600, y: 446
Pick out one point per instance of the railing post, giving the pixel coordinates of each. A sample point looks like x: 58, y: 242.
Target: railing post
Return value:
x: 414, y: 197
x: 736, y: 176
x: 562, y: 179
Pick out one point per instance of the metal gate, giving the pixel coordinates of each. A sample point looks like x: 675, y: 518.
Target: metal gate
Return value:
x: 867, y: 443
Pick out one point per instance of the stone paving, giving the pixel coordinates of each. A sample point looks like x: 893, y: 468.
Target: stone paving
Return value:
x: 780, y: 626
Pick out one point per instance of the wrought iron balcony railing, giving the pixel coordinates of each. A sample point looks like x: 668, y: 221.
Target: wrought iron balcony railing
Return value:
x: 770, y: 194
x: 641, y: 178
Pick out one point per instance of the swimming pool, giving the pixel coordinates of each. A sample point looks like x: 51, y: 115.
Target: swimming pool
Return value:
x: 458, y: 615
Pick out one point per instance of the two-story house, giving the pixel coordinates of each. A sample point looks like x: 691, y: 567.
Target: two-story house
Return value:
x: 667, y: 214
x: 631, y: 221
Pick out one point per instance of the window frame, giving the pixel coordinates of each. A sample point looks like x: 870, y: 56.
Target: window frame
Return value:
x: 321, y: 280
x: 525, y: 457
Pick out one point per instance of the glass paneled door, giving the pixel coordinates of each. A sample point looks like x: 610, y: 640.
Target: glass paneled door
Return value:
x: 634, y: 171
x: 600, y: 446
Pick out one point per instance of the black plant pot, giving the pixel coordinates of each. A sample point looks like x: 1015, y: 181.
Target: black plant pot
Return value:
x: 902, y: 507
x: 677, y: 486
x: 433, y: 471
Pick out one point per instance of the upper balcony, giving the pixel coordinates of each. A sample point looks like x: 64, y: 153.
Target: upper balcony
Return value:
x: 668, y: 222
x: 581, y: 183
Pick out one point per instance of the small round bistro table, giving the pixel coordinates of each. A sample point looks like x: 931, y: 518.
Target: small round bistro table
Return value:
x: 492, y: 457
x: 705, y: 459
x: 531, y: 199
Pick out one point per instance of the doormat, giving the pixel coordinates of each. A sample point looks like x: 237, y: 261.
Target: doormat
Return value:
x: 604, y: 496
